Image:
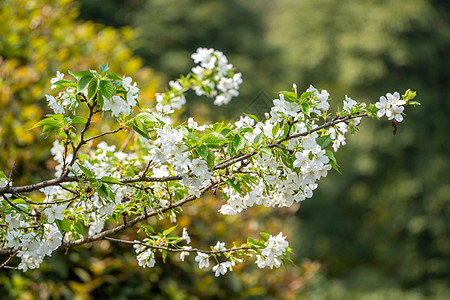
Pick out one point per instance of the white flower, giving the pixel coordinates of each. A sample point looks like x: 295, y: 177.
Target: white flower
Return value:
x: 200, y: 168
x: 146, y: 259
x: 55, y: 212
x: 96, y: 226
x: 383, y: 106
x: 14, y: 221
x: 175, y: 85
x: 185, y: 253
x: 28, y: 262
x: 396, y: 113
x: 394, y: 99
x: 185, y: 236
x: 59, y: 76
x: 194, y: 125
x: 117, y: 106
x: 55, y: 105
x: 349, y: 103
x: 221, y: 268
x: 219, y: 246
x: 202, y: 259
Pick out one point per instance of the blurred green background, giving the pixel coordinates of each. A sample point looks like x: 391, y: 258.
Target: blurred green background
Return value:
x: 379, y: 231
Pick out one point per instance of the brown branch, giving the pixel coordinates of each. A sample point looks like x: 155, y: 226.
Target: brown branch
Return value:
x: 174, y: 249
x: 137, y: 219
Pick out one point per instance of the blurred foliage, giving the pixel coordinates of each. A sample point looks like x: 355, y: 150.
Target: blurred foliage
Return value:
x: 173, y: 29
x: 383, y: 225
x: 38, y: 38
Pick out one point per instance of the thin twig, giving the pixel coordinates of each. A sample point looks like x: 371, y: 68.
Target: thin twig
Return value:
x: 174, y: 249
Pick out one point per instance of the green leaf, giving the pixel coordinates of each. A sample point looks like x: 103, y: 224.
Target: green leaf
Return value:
x: 147, y: 118
x: 169, y: 231
x: 104, y: 68
x: 266, y: 150
x: 306, y: 95
x: 255, y: 118
x: 79, y: 120
x: 207, y: 155
x: 92, y: 88
x: 109, y: 179
x: 113, y: 76
x: 106, y: 88
x: 258, y: 138
x: 60, y: 84
x: 203, y: 151
x: 86, y: 171
x: 333, y: 161
x: 266, y: 236
x: 140, y: 128
x: 236, y: 144
x: 164, y: 255
x: 78, y: 75
x: 47, y: 121
x: 104, y: 191
x: 305, y: 107
x: 63, y: 224
x: 287, y: 159
x: 236, y: 184
x: 324, y: 140
x: 213, y: 138
x: 79, y: 227
x: 83, y: 82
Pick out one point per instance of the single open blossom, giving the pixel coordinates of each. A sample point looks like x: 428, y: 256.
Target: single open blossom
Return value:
x: 117, y: 106
x: 396, y: 113
x: 349, y: 103
x: 55, y: 212
x: 59, y: 76
x: 185, y: 253
x: 219, y: 246
x: 185, y: 236
x: 221, y: 268
x: 202, y: 259
x: 383, y: 106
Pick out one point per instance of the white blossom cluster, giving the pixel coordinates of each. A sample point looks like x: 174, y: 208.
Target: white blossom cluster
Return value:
x: 145, y: 256
x: 219, y: 81
x: 274, y: 249
x: 391, y: 106
x: 33, y: 245
x: 219, y: 269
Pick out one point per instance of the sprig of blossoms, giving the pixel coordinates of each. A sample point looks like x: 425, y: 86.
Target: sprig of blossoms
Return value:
x: 217, y: 76
x: 274, y: 162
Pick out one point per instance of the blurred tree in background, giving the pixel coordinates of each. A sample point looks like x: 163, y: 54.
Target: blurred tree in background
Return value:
x: 380, y: 230
x: 384, y: 223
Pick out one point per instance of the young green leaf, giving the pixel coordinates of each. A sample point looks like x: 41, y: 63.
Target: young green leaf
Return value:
x: 83, y: 82
x: 106, y: 88
x: 104, y: 68
x: 92, y: 88
x: 324, y: 140
x: 78, y: 75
